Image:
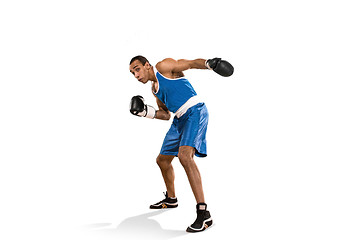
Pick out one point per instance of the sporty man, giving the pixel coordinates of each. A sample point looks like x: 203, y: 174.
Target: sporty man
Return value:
x: 187, y: 134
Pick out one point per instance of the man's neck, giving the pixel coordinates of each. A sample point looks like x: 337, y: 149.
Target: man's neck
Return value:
x: 152, y: 75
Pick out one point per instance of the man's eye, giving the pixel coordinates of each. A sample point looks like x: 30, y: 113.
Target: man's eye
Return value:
x: 137, y: 69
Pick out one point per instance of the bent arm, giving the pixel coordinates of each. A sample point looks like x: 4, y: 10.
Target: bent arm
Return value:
x: 163, y: 113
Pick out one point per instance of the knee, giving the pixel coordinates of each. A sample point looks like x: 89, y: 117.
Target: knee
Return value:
x: 185, y: 159
x: 159, y: 161
x: 163, y: 162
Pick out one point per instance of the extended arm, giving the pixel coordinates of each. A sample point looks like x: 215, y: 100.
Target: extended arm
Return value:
x: 183, y: 64
x: 169, y: 66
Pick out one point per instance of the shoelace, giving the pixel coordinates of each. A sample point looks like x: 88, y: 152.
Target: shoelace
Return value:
x: 166, y: 197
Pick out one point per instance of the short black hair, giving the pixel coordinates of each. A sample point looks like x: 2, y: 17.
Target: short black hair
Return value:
x: 142, y: 59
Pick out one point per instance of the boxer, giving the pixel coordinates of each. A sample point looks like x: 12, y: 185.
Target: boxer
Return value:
x: 186, y: 137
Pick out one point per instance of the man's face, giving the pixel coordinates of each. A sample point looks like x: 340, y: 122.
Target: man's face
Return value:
x: 140, y: 72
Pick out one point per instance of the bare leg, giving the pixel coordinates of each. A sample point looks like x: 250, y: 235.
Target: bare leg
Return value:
x: 167, y: 171
x: 186, y: 157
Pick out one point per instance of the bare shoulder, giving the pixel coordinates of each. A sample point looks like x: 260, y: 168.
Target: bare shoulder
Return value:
x: 166, y: 65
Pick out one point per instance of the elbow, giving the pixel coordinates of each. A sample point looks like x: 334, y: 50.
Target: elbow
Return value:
x: 168, y: 116
x: 163, y: 115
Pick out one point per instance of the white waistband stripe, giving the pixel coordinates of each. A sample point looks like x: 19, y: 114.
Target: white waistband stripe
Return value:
x: 189, y: 103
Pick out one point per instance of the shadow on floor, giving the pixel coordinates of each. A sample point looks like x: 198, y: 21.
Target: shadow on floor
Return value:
x: 138, y: 227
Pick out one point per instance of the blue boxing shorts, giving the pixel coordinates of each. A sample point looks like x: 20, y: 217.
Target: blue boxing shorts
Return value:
x: 188, y: 130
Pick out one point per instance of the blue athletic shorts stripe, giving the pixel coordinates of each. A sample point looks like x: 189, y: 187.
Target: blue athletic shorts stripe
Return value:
x: 188, y: 130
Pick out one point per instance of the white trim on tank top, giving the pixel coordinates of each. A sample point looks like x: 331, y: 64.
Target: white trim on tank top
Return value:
x: 188, y: 104
x: 170, y: 79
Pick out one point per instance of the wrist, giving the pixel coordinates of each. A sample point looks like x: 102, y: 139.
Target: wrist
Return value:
x: 150, y: 112
x: 207, y: 64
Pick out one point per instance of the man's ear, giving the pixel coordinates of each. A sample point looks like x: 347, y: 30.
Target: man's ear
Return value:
x: 147, y: 66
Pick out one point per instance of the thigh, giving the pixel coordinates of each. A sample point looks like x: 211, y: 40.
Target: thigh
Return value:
x: 171, y: 142
x: 193, y: 132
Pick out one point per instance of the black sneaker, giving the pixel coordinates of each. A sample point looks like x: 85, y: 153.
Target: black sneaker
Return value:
x: 203, y: 220
x: 166, y: 203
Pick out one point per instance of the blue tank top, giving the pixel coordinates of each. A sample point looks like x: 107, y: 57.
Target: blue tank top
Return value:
x: 173, y: 92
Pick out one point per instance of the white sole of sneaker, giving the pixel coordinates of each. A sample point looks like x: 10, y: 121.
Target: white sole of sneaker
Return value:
x: 206, y: 224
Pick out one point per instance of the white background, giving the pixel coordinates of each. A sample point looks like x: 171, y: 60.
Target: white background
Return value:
x: 283, y: 137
